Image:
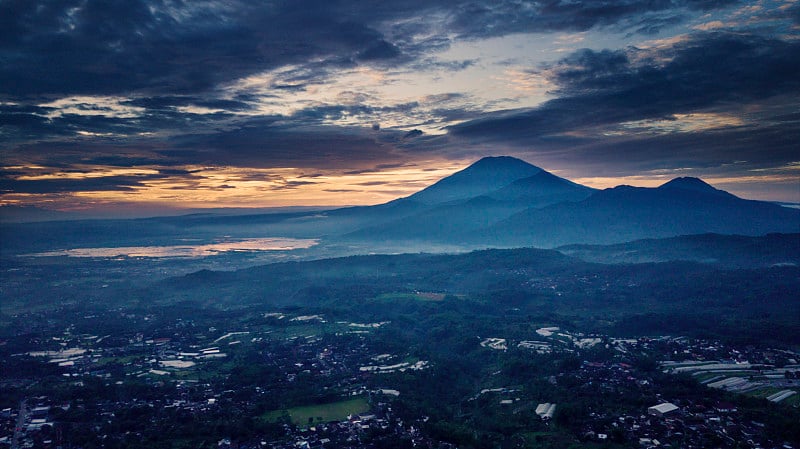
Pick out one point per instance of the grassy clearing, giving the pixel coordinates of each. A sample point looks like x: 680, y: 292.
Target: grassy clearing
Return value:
x: 705, y: 376
x: 398, y: 297
x: 764, y: 392
x: 419, y: 296
x: 320, y: 413
x: 793, y: 400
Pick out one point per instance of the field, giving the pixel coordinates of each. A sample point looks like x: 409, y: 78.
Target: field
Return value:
x: 312, y: 414
x: 418, y: 296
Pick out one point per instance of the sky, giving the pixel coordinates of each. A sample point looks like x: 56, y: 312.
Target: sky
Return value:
x: 156, y: 105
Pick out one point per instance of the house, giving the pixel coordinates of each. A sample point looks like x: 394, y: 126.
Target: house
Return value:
x: 546, y: 410
x: 662, y: 409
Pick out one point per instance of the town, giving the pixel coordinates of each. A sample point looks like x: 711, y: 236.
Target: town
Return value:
x: 295, y: 379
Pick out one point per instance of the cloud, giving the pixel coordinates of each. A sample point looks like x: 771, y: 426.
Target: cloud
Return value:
x: 701, y: 102
x: 710, y: 151
x: 171, y: 102
x: 609, y: 87
x: 642, y: 16
x: 73, y: 47
x: 112, y: 47
x: 380, y: 50
x: 268, y: 144
x: 74, y: 184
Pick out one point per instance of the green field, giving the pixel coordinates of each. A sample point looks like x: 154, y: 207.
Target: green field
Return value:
x: 792, y: 400
x: 419, y: 296
x: 398, y: 297
x: 313, y: 414
x: 764, y: 392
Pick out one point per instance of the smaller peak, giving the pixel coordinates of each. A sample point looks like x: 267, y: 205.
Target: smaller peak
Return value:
x: 501, y: 161
x: 693, y: 184
x: 688, y: 182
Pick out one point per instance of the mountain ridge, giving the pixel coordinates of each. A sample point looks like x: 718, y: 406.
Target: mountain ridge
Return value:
x: 545, y: 210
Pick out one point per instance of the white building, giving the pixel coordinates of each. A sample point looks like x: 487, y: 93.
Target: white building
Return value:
x: 546, y: 410
x: 662, y: 409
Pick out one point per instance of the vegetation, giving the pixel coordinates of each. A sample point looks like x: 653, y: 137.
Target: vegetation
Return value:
x: 320, y: 413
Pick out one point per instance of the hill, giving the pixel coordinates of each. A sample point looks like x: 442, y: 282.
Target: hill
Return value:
x: 731, y: 251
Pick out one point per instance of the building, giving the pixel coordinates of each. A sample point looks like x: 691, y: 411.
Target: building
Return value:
x: 662, y: 409
x: 546, y: 410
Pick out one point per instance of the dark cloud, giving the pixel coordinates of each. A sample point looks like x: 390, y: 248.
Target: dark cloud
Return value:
x: 23, y: 126
x: 443, y: 98
x: 380, y: 50
x: 44, y: 186
x: 391, y: 166
x: 270, y: 143
x: 115, y: 160
x: 435, y: 64
x: 793, y: 12
x: 608, y: 87
x: 122, y: 46
x: 605, y: 99
x: 712, y: 150
x: 291, y: 185
x: 705, y: 69
x: 510, y: 16
x: 653, y: 24
x: 157, y: 46
x: 18, y: 126
x: 371, y: 183
x: 64, y: 154
x: 171, y: 101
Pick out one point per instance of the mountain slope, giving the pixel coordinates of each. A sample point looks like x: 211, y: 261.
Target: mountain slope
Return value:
x: 482, y: 177
x: 453, y: 221
x: 449, y: 223
x: 627, y: 213
x: 693, y: 184
x: 542, y: 189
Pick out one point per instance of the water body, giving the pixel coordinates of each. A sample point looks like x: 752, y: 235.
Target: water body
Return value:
x: 186, y: 251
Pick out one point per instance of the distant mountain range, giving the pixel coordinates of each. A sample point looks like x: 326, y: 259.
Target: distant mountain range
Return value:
x: 503, y: 201
x: 495, y: 202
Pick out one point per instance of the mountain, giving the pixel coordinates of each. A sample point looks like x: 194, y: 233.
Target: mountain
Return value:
x: 510, y: 207
x: 446, y: 223
x: 693, y: 184
x: 482, y: 177
x: 452, y: 219
x: 620, y: 214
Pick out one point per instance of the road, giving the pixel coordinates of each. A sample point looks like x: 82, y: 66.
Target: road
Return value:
x: 23, y: 416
